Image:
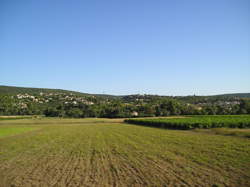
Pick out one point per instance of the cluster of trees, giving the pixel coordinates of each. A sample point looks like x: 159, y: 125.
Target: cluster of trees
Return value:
x: 128, y: 106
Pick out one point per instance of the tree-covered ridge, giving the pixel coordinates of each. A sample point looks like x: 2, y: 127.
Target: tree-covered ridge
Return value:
x: 10, y: 90
x: 23, y: 90
x: 241, y: 95
x: 63, y: 103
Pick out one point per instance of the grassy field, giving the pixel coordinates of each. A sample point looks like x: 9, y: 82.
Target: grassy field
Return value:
x: 8, y: 131
x: 104, y: 152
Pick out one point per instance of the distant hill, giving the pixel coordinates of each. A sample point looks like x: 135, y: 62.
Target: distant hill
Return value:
x: 22, y: 90
x: 65, y: 103
x: 240, y: 95
x: 28, y: 90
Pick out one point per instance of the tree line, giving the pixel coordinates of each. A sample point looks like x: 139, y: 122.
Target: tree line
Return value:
x: 120, y: 108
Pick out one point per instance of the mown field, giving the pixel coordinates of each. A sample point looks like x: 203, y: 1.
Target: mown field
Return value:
x: 104, y: 152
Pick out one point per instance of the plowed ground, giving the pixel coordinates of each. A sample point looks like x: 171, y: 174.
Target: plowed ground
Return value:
x: 109, y: 153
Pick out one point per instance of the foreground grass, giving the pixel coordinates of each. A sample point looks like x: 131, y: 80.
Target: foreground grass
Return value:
x: 8, y: 131
x: 245, y: 133
x: 100, y: 152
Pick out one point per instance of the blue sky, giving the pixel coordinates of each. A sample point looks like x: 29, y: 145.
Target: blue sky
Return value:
x: 166, y: 47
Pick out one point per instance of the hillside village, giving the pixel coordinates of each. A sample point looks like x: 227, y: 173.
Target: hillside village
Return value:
x: 73, y: 104
x: 50, y: 97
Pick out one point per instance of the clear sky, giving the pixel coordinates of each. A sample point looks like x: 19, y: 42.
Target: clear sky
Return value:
x: 166, y: 47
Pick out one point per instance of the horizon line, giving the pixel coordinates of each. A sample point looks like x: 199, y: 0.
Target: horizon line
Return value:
x: 119, y: 95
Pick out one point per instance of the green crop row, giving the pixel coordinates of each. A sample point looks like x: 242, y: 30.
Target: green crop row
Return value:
x: 191, y: 122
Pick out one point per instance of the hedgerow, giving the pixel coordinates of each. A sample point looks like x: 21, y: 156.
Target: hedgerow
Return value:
x: 191, y: 122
